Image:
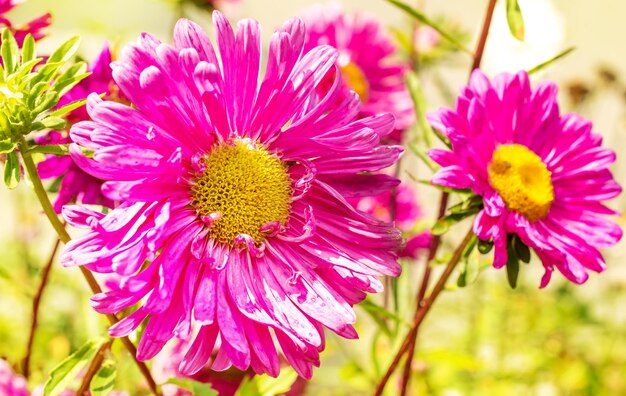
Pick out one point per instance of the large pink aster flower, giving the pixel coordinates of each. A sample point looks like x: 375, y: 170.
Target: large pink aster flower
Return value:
x: 234, y: 191
x: 76, y: 185
x: 365, y: 61
x: 542, y: 175
x: 11, y: 384
x: 408, y: 213
x: 35, y: 27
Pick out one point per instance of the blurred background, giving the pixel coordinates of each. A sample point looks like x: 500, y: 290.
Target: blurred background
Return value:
x: 482, y: 339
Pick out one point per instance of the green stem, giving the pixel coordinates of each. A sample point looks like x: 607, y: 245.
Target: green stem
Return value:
x: 40, y: 191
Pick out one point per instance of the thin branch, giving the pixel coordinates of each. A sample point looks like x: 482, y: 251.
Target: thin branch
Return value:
x: 424, y: 309
x: 432, y: 252
x: 93, y: 369
x: 480, y: 48
x: 36, y: 303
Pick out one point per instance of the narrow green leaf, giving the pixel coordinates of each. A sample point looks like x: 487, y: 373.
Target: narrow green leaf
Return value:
x: 195, y: 387
x: 512, y: 264
x: 427, y: 21
x: 419, y: 104
x: 421, y: 154
x: 63, y: 374
x: 6, y: 146
x: 47, y: 101
x: 551, y: 60
x: 473, y: 204
x: 470, y: 264
x: 443, y: 224
x: 10, y: 51
x: 515, y: 19
x: 66, y: 51
x: 61, y: 111
x: 56, y: 149
x: 53, y: 123
x: 28, y: 48
x: 12, y: 170
x: 103, y: 382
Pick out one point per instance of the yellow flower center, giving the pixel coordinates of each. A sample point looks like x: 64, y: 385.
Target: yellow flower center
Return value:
x: 356, y: 80
x: 522, y: 180
x: 243, y: 187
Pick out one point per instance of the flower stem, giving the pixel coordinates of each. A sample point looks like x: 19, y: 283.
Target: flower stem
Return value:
x: 423, y: 310
x: 480, y: 47
x: 36, y: 303
x: 94, y: 366
x: 40, y: 192
x: 432, y: 252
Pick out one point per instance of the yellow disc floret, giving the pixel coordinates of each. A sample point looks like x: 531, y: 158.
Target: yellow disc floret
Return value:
x: 356, y: 80
x: 522, y: 180
x: 245, y: 186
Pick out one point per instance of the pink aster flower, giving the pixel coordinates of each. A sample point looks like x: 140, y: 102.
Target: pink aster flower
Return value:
x: 76, y: 185
x: 365, y: 60
x: 234, y: 192
x: 408, y: 212
x: 542, y: 175
x: 11, y: 384
x: 35, y: 27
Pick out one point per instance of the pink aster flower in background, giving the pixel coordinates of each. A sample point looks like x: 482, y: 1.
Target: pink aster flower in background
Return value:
x: 76, y: 185
x: 365, y: 60
x: 35, y: 27
x: 11, y: 384
x: 408, y: 213
x: 234, y: 191
x: 543, y: 176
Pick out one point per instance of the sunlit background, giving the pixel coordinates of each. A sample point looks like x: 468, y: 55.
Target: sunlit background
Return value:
x: 482, y: 339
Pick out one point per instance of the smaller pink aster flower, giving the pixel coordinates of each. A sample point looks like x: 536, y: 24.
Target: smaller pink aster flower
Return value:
x: 78, y: 186
x: 11, y: 384
x: 365, y: 60
x: 35, y: 27
x: 408, y: 213
x: 543, y: 176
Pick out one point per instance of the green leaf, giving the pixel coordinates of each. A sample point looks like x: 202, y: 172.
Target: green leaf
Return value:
x: 62, y: 375
x: 6, y: 146
x: 427, y: 21
x: 470, y: 264
x: 28, y: 48
x: 422, y: 154
x: 61, y: 111
x: 12, y: 170
x: 419, y: 104
x: 443, y: 224
x: 551, y: 60
x: 66, y: 51
x: 103, y: 382
x: 472, y: 204
x: 53, y: 123
x: 512, y: 264
x: 10, y: 51
x: 195, y: 387
x: 521, y: 249
x: 268, y: 386
x: 56, y: 149
x: 515, y: 19
x: 484, y: 247
x: 47, y: 101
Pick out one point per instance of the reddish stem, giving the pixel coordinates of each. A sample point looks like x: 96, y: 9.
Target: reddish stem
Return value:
x: 45, y: 274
